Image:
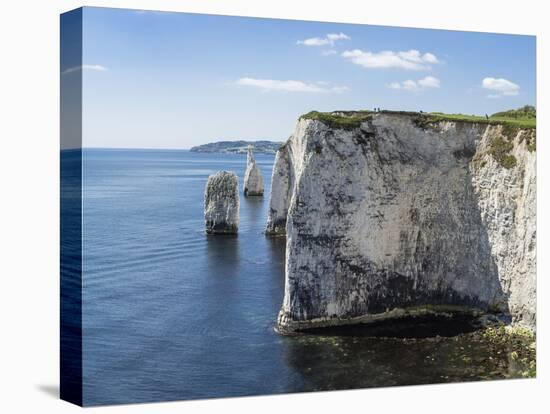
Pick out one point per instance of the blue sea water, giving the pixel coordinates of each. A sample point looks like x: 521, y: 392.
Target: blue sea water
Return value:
x: 171, y: 313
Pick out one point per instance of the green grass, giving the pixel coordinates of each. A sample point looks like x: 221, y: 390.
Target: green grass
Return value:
x: 512, y: 120
x: 347, y: 120
x: 520, y: 123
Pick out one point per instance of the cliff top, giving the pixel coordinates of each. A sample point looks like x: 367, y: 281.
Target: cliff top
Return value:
x: 523, y: 118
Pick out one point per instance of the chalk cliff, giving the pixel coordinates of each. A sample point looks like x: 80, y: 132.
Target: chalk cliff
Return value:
x: 387, y: 213
x: 221, y: 203
x: 253, y: 179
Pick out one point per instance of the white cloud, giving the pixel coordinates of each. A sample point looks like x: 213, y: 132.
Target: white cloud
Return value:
x: 329, y: 52
x: 430, y: 58
x: 416, y: 86
x: 290, y: 86
x: 410, y: 60
x: 314, y: 41
x: 429, y: 82
x: 410, y: 85
x: 85, y: 67
x: 337, y: 36
x: 329, y: 39
x: 500, y: 87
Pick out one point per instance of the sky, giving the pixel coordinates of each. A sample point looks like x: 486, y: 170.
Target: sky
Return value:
x: 174, y: 80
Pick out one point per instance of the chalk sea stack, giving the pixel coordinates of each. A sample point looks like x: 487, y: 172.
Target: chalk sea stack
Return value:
x: 253, y: 180
x: 221, y: 203
x: 389, y: 214
x: 282, y: 186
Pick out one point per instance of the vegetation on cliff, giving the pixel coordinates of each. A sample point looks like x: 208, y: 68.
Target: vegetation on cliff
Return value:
x: 347, y: 120
x: 500, y: 150
x: 525, y: 112
x: 513, y: 120
x: 531, y: 138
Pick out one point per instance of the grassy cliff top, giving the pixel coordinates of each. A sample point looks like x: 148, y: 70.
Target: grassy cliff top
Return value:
x: 340, y: 119
x: 494, y: 119
x: 523, y: 118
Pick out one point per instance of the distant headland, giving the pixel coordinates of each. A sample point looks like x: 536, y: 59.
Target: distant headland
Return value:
x: 238, y: 147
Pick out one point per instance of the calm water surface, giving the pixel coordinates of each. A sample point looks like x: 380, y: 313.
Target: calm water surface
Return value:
x: 170, y: 313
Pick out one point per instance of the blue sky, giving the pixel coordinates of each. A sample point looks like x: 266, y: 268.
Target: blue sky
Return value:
x: 174, y: 80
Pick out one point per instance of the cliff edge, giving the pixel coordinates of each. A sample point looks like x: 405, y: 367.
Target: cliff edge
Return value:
x: 390, y: 212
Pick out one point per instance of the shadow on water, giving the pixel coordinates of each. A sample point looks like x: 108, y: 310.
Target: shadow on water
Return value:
x: 276, y: 250
x: 409, y: 327
x: 253, y: 209
x: 222, y: 279
x: 423, y: 351
x: 223, y: 253
x: 277, y: 247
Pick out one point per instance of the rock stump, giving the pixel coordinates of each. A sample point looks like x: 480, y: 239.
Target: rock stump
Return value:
x: 253, y: 180
x: 221, y: 203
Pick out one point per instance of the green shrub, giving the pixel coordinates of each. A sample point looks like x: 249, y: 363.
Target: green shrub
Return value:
x: 527, y: 111
x: 531, y: 138
x: 500, y: 150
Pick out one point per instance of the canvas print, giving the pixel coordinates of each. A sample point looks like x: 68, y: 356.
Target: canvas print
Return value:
x: 256, y: 206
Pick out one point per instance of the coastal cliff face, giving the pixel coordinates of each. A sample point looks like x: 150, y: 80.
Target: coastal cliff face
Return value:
x: 398, y: 213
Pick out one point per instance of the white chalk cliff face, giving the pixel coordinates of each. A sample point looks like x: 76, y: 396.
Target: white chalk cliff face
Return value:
x: 253, y: 180
x: 397, y: 214
x: 221, y: 203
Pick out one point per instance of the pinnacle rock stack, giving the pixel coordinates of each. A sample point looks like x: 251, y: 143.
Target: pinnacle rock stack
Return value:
x: 282, y: 186
x: 253, y: 180
x: 389, y: 213
x: 221, y: 203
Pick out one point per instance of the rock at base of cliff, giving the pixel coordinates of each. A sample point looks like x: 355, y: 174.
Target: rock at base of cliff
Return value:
x: 253, y: 179
x: 276, y: 228
x: 221, y: 203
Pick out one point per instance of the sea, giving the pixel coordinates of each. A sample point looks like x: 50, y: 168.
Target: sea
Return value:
x: 171, y: 313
